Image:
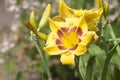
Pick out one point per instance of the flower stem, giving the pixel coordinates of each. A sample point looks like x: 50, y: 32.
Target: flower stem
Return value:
x: 109, y: 56
x: 44, y: 60
x: 114, y: 37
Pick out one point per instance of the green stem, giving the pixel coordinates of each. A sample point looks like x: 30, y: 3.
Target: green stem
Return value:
x: 114, y: 37
x: 109, y: 56
x: 117, y: 39
x: 44, y: 60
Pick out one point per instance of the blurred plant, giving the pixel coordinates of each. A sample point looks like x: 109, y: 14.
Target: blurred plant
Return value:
x: 72, y: 33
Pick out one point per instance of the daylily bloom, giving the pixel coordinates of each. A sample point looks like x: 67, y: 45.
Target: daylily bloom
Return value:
x: 91, y: 16
x: 69, y: 37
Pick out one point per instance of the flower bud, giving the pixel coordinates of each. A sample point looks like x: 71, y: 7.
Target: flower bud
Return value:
x: 106, y: 10
x: 42, y: 35
x: 99, y: 3
x: 32, y: 20
x: 45, y: 16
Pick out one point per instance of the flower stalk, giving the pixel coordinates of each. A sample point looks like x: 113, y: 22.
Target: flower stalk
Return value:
x: 44, y: 59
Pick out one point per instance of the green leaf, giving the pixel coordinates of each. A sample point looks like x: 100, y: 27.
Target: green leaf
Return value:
x: 116, y: 74
x: 90, y: 66
x: 82, y: 69
x: 109, y: 56
x: 115, y: 61
x: 113, y: 36
x: 10, y: 65
x: 95, y: 50
x: 20, y: 76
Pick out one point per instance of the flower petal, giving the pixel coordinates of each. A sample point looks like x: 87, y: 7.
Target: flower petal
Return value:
x: 83, y: 25
x: 52, y: 37
x: 92, y: 27
x: 72, y: 22
x: 89, y: 37
x: 93, y: 17
x: 64, y: 10
x: 58, y: 18
x: 80, y: 50
x: 67, y: 58
x: 54, y: 50
x: 51, y: 48
x: 53, y: 26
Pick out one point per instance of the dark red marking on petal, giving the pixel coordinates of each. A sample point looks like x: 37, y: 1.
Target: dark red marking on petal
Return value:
x: 58, y: 42
x: 73, y: 48
x: 73, y: 29
x: 60, y: 34
x: 79, y: 40
x: 79, y: 31
x: 64, y: 30
x: 61, y: 48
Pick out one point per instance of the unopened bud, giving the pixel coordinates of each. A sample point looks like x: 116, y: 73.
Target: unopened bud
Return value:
x: 42, y: 35
x: 106, y: 10
x: 99, y: 3
x: 32, y: 19
x: 45, y: 16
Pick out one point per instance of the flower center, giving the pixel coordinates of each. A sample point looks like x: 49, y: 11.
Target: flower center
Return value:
x: 69, y: 38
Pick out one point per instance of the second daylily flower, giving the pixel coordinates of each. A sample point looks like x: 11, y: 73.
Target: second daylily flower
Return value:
x: 69, y: 38
x: 91, y: 16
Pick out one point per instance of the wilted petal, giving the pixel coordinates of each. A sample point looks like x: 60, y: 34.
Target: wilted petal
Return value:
x: 67, y: 58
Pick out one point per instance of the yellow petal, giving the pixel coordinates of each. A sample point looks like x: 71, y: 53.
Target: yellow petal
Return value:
x: 58, y: 18
x: 64, y: 10
x: 51, y: 39
x: 54, y: 50
x: 89, y: 38
x: 80, y: 50
x: 54, y: 27
x: 78, y: 13
x: 92, y: 27
x: 72, y: 22
x: 83, y: 25
x: 51, y: 48
x: 67, y: 58
x: 93, y: 17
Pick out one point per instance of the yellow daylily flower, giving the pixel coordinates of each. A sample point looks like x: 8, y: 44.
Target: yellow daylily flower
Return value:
x: 91, y: 16
x: 69, y: 38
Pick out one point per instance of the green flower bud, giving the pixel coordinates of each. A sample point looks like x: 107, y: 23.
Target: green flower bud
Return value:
x: 45, y: 16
